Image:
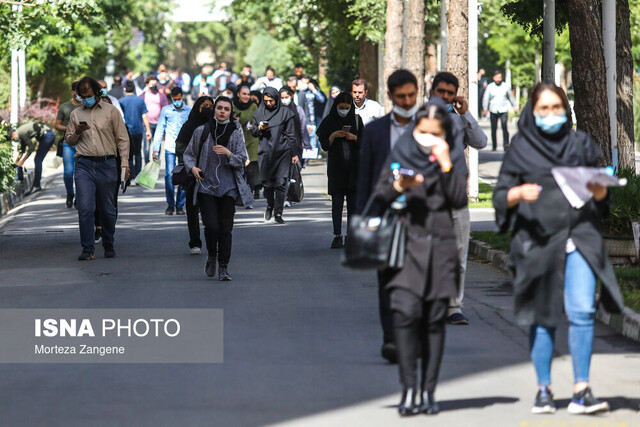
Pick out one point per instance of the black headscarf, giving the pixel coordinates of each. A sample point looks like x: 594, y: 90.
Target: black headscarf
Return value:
x: 236, y: 99
x: 334, y: 121
x: 196, y: 119
x: 408, y: 153
x: 276, y: 117
x: 222, y: 133
x: 536, y: 152
x: 257, y: 94
x: 294, y: 110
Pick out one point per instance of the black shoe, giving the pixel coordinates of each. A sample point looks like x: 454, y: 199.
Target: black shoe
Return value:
x: 97, y: 235
x: 585, y: 403
x: 408, y: 406
x: 109, y: 252
x: 210, y: 266
x: 336, y: 243
x: 223, y: 274
x: 180, y: 211
x: 33, y: 190
x: 169, y: 211
x: 428, y: 404
x: 256, y: 194
x: 457, y: 319
x: 389, y: 352
x: 268, y: 213
x: 544, y: 402
x: 69, y: 202
x: 279, y: 219
x: 86, y: 256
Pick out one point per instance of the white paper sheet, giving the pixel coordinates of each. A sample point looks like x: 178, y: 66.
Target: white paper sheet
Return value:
x: 573, y: 182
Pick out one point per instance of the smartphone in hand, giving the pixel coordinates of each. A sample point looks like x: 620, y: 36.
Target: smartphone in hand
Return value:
x: 346, y: 128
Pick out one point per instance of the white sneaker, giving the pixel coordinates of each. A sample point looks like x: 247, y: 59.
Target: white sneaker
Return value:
x: 287, y: 204
x: 196, y: 251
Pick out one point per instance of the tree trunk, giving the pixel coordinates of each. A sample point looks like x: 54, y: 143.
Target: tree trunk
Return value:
x: 587, y: 53
x: 41, y: 86
x: 415, y: 57
x: 368, y: 69
x: 458, y: 44
x: 393, y: 42
x: 624, y: 69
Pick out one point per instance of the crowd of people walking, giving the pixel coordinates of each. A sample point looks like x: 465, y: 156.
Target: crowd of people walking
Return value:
x: 242, y: 136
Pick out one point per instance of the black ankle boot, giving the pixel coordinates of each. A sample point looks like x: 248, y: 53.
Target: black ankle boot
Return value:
x: 408, y: 405
x: 428, y: 404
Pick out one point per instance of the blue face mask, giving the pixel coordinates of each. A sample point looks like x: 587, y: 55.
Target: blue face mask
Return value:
x: 178, y: 103
x: 552, y: 123
x: 89, y: 102
x: 103, y: 92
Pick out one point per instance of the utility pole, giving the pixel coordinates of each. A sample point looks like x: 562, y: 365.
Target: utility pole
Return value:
x: 473, y: 94
x: 549, y: 41
x: 609, y: 41
x: 443, y: 35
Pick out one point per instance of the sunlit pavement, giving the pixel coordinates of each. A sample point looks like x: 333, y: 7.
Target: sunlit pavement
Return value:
x: 301, y: 333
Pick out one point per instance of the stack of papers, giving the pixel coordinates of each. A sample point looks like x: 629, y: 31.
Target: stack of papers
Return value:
x: 573, y: 182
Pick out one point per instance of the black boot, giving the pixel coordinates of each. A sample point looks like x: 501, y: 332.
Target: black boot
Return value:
x: 408, y: 405
x: 69, y: 202
x: 428, y: 404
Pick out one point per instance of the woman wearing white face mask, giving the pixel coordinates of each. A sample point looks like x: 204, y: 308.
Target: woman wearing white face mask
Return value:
x: 557, y: 252
x: 302, y: 136
x: 420, y: 291
x: 339, y: 134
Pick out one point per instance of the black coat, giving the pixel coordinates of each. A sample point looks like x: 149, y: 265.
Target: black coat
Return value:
x: 375, y: 147
x: 343, y: 156
x: 431, y: 269
x: 540, y: 231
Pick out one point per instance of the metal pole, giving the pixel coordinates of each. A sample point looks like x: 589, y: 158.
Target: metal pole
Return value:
x: 609, y: 39
x: 443, y: 35
x: 15, y: 105
x: 507, y: 72
x: 22, y: 75
x: 473, y: 93
x: 549, y: 41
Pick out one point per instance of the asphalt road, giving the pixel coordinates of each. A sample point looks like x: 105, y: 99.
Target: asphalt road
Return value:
x: 301, y: 340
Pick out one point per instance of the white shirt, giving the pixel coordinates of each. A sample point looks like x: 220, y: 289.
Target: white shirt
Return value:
x: 369, y: 111
x: 397, y: 129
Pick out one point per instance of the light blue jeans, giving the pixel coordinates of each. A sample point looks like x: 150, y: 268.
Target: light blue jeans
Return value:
x: 174, y: 200
x: 69, y: 163
x: 579, y: 305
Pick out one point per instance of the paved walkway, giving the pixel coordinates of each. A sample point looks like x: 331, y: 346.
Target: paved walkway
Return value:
x: 301, y: 332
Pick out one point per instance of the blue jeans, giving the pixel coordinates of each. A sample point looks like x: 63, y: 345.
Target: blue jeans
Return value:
x: 172, y: 199
x: 69, y: 164
x: 44, y: 145
x: 95, y: 190
x: 579, y: 304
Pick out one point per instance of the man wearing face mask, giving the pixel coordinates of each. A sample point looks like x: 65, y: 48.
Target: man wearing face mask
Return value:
x: 114, y: 100
x: 466, y: 132
x: 99, y: 134
x: 378, y: 138
x: 172, y: 117
x: 496, y: 100
x: 155, y: 102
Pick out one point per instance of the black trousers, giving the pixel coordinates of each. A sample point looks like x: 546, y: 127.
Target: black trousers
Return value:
x: 252, y: 173
x: 135, y: 155
x: 44, y: 145
x: 503, y: 117
x: 419, y: 333
x: 275, y: 193
x: 217, y: 217
x: 193, y: 217
x: 337, y: 205
x: 384, y: 304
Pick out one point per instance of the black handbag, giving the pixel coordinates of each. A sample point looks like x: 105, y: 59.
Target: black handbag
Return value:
x: 180, y: 175
x: 295, y: 193
x: 375, y: 242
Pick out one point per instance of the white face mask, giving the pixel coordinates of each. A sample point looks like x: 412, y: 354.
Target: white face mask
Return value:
x: 405, y: 114
x: 286, y: 102
x: 343, y: 112
x: 222, y: 122
x: 426, y: 141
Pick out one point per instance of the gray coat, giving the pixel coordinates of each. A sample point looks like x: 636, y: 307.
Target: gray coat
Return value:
x: 194, y: 157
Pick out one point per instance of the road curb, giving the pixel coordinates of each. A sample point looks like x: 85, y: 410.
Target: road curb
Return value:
x: 10, y: 200
x: 626, y: 323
